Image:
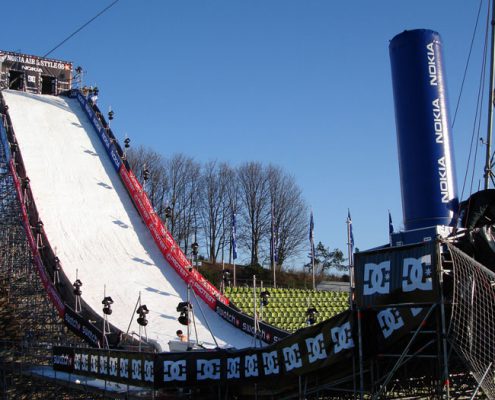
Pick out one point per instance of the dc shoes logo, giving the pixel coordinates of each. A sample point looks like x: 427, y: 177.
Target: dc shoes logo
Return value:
x: 416, y: 274
x: 94, y: 364
x: 124, y: 367
x: 136, y: 369
x: 233, y: 368
x: 251, y: 366
x: 270, y: 363
x: 389, y: 320
x: 77, y: 361
x: 316, y: 348
x: 208, y: 369
x: 149, y: 374
x: 174, y: 371
x: 113, y: 366
x: 103, y: 365
x: 376, y: 278
x: 292, y: 357
x: 342, y: 337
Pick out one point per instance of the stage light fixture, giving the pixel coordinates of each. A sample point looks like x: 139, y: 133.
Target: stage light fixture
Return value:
x: 77, y: 287
x: 107, y: 303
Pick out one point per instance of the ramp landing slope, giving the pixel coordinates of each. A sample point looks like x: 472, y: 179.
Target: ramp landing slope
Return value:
x: 93, y: 226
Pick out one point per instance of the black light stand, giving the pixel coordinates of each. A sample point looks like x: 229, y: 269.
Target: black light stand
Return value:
x: 39, y: 232
x: 107, y: 310
x: 79, y: 72
x: 311, y: 313
x: 142, y: 311
x: 25, y: 188
x: 77, y: 293
x: 127, y: 144
x: 168, y: 215
x: 225, y: 280
x: 56, y: 271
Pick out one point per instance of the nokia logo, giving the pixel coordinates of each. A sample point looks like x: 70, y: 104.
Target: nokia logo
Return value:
x: 432, y: 67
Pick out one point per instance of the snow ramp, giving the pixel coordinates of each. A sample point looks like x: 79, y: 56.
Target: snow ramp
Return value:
x: 101, y: 226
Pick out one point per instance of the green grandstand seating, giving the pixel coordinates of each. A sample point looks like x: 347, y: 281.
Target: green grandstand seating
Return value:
x: 287, y: 307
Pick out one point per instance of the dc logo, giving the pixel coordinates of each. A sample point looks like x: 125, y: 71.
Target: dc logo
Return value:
x: 342, y: 337
x: 251, y: 365
x: 208, y: 369
x: 103, y: 364
x: 149, y: 375
x: 84, y: 362
x: 77, y: 362
x: 174, y: 371
x: 136, y: 369
x: 270, y: 363
x: 376, y: 278
x: 113, y: 366
x: 94, y: 363
x: 124, y: 368
x: 233, y: 367
x: 390, y: 320
x: 316, y: 348
x: 416, y: 274
x: 292, y: 357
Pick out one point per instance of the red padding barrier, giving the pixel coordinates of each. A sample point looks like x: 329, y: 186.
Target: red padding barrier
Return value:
x: 167, y: 245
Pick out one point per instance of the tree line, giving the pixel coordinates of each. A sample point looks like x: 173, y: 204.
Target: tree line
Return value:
x: 197, y: 202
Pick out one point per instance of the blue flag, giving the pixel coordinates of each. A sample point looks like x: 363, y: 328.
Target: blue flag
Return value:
x: 351, y: 235
x: 234, y: 246
x: 311, y: 235
x: 390, y: 225
x: 311, y: 228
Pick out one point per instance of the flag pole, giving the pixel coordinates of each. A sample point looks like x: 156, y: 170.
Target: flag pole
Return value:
x: 273, y: 246
x: 312, y: 243
x: 234, y: 246
x: 350, y: 256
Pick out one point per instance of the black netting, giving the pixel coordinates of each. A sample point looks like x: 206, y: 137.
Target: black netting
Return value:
x: 472, y: 331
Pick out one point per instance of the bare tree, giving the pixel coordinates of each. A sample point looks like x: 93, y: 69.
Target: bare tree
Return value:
x: 183, y: 174
x: 156, y: 186
x: 289, y: 214
x: 254, y: 200
x: 215, y: 181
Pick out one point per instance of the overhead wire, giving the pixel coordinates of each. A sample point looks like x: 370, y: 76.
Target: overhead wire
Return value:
x: 81, y: 27
x: 478, y: 112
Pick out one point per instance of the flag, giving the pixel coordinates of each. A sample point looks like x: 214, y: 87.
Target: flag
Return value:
x: 311, y: 235
x: 234, y: 246
x: 351, y: 235
x: 390, y: 225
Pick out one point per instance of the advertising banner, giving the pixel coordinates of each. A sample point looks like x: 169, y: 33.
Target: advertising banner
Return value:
x: 3, y: 138
x: 396, y: 275
x: 269, y: 334
x: 33, y: 69
x: 82, y: 328
x: 101, y: 131
x: 321, y: 345
x: 132, y: 368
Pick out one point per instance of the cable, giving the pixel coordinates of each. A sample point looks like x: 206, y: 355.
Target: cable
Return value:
x: 467, y: 63
x: 81, y: 28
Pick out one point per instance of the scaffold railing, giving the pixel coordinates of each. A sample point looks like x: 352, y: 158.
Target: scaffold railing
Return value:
x: 472, y: 329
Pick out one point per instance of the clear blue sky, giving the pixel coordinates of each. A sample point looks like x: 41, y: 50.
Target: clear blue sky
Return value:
x: 302, y: 84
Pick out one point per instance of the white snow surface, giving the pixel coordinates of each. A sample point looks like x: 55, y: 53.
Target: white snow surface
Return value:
x: 93, y: 226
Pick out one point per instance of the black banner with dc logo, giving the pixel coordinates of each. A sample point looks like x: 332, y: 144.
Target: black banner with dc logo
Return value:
x: 396, y: 275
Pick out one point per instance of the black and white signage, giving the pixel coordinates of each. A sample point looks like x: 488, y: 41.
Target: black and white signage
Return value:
x: 396, y: 276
